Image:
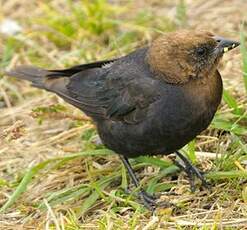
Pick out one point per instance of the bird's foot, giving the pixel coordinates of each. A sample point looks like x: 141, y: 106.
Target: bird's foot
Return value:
x: 193, y: 172
x: 149, y: 201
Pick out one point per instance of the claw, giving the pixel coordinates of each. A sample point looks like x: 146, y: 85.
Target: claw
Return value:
x: 148, y: 197
x: 192, y: 172
x: 148, y: 201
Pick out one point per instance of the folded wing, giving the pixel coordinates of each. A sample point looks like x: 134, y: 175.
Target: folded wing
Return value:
x: 120, y: 92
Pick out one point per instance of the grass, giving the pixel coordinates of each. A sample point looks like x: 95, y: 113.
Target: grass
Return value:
x: 53, y: 172
x: 244, y: 55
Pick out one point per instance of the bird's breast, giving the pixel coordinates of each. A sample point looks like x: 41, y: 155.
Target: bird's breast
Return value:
x: 189, y: 110
x: 180, y: 114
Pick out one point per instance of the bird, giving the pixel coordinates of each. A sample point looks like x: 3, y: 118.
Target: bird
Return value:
x: 152, y: 101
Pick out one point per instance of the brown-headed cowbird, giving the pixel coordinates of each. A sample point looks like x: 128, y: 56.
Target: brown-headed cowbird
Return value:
x: 152, y: 101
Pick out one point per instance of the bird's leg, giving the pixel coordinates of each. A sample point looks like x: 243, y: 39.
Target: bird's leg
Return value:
x: 190, y: 175
x: 191, y: 171
x: 149, y: 201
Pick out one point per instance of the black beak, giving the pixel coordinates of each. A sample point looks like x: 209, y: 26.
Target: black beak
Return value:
x: 224, y: 45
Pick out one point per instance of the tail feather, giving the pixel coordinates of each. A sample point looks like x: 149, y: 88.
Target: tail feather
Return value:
x: 38, y: 76
x: 40, y: 79
x: 78, y: 68
x: 35, y: 75
x: 55, y: 81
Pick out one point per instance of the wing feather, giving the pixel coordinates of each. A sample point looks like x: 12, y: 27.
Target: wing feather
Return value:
x: 122, y: 97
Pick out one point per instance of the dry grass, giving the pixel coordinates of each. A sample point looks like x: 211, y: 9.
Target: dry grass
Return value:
x: 76, y: 192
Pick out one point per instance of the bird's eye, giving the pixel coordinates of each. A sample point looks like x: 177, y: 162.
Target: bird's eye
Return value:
x: 201, y: 51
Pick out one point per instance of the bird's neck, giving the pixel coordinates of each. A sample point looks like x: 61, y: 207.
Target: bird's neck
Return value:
x: 209, y: 89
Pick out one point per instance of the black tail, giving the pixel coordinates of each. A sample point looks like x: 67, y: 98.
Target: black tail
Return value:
x: 29, y: 73
x: 38, y: 76
x: 65, y: 83
x: 53, y: 80
x: 41, y: 78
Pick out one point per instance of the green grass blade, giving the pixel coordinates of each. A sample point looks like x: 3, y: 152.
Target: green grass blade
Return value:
x: 154, y: 181
x: 154, y: 161
x: 181, y: 12
x: 22, y: 187
x: 97, y: 188
x: 98, y: 152
x: 189, y: 151
x: 66, y: 195
x: 10, y: 47
x: 237, y: 129
x: 219, y: 175
x: 90, y: 201
x: 243, y: 50
x: 124, y: 183
x: 231, y: 102
x: 161, y: 187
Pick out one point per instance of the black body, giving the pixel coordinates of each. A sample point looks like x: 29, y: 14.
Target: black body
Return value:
x: 136, y: 113
x: 152, y: 101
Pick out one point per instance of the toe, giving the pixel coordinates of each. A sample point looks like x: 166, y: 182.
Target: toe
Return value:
x: 148, y: 198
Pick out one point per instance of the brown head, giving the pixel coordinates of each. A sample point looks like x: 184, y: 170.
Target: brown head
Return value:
x: 180, y: 56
